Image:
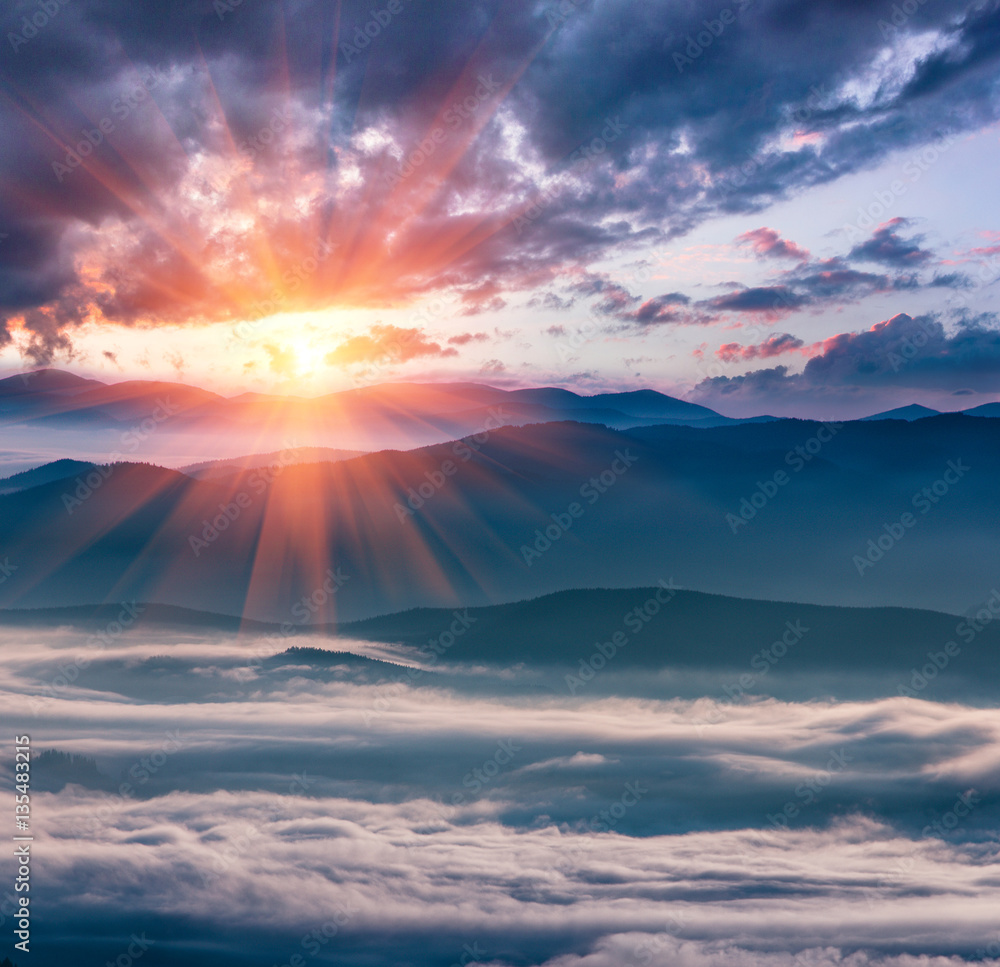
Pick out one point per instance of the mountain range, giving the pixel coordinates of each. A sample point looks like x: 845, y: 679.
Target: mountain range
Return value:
x: 787, y: 509
x: 636, y: 634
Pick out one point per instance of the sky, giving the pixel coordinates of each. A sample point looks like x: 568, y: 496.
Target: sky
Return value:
x: 780, y: 207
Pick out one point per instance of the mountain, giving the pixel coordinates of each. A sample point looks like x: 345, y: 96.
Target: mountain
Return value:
x: 688, y: 629
x: 44, y: 381
x: 92, y: 617
x: 781, y: 510
x: 912, y: 412
x: 57, y: 470
x: 647, y: 404
x: 986, y: 409
x: 216, y: 469
x: 736, y: 645
x: 181, y: 425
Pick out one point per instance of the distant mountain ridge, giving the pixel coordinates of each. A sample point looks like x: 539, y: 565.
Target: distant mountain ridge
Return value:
x: 641, y: 630
x: 526, y: 511
x: 216, y: 469
x: 180, y: 425
x: 57, y: 470
x: 912, y: 412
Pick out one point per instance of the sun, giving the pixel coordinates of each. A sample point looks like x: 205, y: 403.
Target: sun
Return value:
x: 306, y: 357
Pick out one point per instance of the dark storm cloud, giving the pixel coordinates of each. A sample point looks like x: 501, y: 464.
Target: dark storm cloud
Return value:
x: 645, y: 144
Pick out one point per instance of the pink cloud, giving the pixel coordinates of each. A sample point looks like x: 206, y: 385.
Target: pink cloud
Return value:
x: 767, y: 243
x: 774, y: 345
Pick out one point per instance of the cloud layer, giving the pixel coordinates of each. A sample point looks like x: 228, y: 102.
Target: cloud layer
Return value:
x: 263, y: 806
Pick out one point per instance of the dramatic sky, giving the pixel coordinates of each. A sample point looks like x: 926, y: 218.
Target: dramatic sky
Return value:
x: 774, y: 205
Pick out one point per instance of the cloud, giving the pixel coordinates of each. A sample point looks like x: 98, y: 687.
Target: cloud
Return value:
x: 888, y: 247
x: 772, y: 346
x: 550, y: 300
x: 613, y: 298
x: 464, y: 338
x: 280, y: 358
x: 661, y: 309
x: 767, y: 243
x: 607, y: 831
x: 770, y: 300
x: 901, y: 352
x: 951, y: 280
x: 831, y: 281
x: 185, y: 214
x: 386, y: 343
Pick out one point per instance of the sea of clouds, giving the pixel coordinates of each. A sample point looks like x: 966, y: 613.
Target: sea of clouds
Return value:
x: 290, y: 811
